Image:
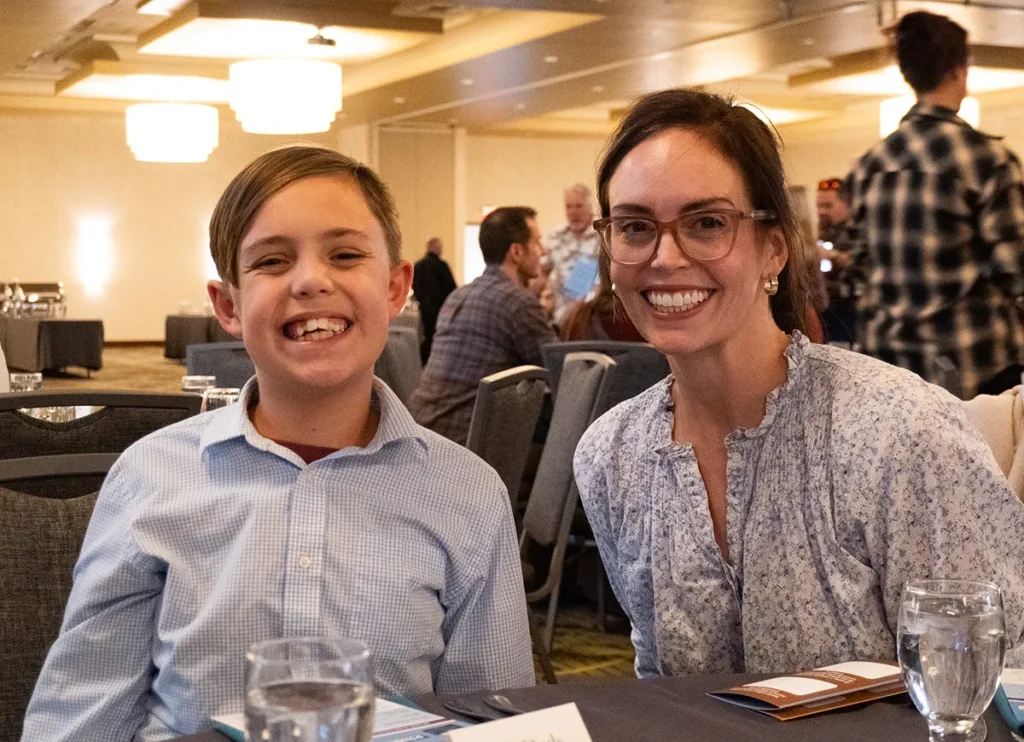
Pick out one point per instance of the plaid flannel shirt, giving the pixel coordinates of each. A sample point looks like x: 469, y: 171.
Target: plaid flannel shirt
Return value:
x: 937, y: 225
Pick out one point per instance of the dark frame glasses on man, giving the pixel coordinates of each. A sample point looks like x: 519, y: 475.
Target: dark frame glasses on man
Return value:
x: 709, y: 234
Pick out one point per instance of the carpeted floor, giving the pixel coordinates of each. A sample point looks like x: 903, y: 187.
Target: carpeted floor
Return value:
x: 581, y: 652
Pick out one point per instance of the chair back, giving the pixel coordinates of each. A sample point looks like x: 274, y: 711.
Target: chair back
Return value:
x: 553, y: 499
x: 505, y: 415
x: 228, y: 361
x: 40, y: 538
x: 125, y: 418
x: 638, y: 366
x: 399, y: 366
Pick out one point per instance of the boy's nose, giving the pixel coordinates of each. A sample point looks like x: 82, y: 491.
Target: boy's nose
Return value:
x: 311, y: 277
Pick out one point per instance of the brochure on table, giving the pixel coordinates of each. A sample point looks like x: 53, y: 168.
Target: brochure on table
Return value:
x: 562, y: 723
x: 1010, y: 699
x: 817, y: 691
x: 392, y: 722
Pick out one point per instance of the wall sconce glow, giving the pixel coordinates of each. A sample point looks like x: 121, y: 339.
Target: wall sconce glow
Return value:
x: 892, y: 110
x: 285, y: 96
x: 171, y: 132
x: 95, y: 253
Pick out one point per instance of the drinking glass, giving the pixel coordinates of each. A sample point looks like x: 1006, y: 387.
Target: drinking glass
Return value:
x: 26, y: 382
x: 216, y: 398
x: 198, y: 384
x: 951, y: 642
x: 308, y: 690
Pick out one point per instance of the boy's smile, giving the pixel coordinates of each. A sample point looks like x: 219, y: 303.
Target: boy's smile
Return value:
x: 316, y: 290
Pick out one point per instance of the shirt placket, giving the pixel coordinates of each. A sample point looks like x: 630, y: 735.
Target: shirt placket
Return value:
x: 303, y: 572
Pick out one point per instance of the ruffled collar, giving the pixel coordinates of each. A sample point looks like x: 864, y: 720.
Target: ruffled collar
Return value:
x: 777, y: 398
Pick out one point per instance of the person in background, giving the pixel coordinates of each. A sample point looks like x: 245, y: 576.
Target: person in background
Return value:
x: 489, y: 325
x: 5, y: 379
x: 572, y: 252
x: 937, y: 218
x: 315, y: 506
x: 432, y: 281
x: 599, y: 318
x: 840, y: 316
x: 761, y: 509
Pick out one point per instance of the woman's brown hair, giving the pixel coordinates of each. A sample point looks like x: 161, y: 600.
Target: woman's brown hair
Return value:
x: 743, y: 139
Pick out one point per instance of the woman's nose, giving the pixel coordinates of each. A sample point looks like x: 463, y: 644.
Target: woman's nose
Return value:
x: 668, y: 252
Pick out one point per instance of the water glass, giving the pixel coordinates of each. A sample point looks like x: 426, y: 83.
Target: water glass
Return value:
x: 216, y: 398
x: 198, y: 384
x: 308, y: 690
x: 951, y: 642
x: 26, y: 382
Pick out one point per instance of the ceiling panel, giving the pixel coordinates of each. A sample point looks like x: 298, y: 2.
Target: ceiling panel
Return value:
x: 27, y: 26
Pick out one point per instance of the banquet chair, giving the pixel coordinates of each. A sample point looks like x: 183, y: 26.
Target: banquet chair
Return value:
x: 125, y: 417
x: 505, y: 415
x: 399, y: 365
x: 228, y: 361
x: 1000, y: 420
x: 638, y: 366
x: 40, y: 537
x: 554, y: 497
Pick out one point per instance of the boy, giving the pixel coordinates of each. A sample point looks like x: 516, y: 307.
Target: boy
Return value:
x: 313, y: 507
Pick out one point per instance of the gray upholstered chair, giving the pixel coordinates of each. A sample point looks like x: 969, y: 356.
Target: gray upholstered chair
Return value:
x: 125, y: 418
x: 505, y: 415
x: 638, y: 366
x: 229, y: 362
x: 399, y: 365
x: 553, y: 499
x: 40, y: 538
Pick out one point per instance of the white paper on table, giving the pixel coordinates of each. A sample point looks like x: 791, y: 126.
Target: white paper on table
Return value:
x: 563, y: 723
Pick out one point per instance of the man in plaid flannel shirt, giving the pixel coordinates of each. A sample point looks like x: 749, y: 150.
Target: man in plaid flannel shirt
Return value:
x: 937, y: 217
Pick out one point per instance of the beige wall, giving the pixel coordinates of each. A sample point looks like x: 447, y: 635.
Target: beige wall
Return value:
x: 60, y: 168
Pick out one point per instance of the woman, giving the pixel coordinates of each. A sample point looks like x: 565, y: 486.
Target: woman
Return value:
x: 761, y: 508
x: 600, y: 318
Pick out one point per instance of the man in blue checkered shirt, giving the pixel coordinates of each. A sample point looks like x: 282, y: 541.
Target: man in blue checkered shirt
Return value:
x: 937, y: 219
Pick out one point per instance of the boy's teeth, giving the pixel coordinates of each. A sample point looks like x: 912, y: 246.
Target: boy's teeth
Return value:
x: 677, y: 300
x: 311, y: 324
x: 316, y: 329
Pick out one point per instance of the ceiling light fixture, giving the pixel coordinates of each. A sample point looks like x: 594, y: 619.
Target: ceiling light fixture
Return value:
x: 171, y: 132
x: 285, y: 96
x: 159, y: 7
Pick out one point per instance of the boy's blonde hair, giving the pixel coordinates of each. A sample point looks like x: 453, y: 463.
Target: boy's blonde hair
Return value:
x: 275, y: 171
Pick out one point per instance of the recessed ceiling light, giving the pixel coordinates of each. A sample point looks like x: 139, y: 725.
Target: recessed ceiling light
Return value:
x: 398, y: 99
x: 520, y: 106
x: 551, y: 59
x: 808, y: 42
x: 467, y: 81
x: 597, y: 88
x: 662, y: 56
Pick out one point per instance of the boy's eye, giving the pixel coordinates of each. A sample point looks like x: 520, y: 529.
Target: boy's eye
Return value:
x: 268, y: 263
x: 346, y: 255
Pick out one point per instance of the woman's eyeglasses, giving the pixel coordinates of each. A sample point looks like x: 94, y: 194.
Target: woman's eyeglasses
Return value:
x: 701, y: 235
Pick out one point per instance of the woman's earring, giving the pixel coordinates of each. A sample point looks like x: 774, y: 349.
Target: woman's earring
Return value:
x: 613, y: 289
x: 771, y: 286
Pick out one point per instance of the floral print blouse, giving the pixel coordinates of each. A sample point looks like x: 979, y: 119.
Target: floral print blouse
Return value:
x: 860, y: 477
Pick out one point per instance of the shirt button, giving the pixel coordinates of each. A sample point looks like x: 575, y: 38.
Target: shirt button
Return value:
x: 305, y: 561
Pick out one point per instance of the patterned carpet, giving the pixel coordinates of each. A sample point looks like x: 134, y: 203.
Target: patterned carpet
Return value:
x: 581, y: 652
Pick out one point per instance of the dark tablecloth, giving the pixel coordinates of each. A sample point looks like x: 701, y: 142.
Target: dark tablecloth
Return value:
x: 679, y: 709
x: 183, y: 330
x: 41, y: 344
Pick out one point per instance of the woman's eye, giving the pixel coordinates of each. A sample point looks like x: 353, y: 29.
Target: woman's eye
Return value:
x: 634, y: 229
x: 708, y: 222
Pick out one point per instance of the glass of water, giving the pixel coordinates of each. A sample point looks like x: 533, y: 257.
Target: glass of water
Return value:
x: 951, y: 641
x: 198, y: 384
x: 308, y: 690
x: 216, y: 398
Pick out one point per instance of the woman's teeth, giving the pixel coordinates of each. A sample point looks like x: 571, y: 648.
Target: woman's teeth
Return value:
x: 309, y: 330
x: 677, y: 301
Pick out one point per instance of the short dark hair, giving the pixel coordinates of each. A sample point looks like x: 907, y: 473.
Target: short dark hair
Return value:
x: 836, y: 185
x: 502, y: 228
x: 929, y: 47
x: 743, y: 139
x: 274, y: 171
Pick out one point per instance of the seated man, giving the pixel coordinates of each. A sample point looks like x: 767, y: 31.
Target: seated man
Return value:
x: 491, y: 324
x: 313, y: 507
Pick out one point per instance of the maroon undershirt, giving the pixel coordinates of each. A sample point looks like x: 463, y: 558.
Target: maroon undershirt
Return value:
x: 307, y: 453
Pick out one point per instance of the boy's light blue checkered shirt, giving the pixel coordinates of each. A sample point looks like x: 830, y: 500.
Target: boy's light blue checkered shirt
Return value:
x: 208, y: 537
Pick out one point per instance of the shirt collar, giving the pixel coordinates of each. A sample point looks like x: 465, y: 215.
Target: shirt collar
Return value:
x: 396, y: 423
x: 936, y: 112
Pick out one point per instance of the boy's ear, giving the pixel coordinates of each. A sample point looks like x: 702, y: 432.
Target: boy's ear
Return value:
x: 224, y: 299
x: 398, y: 287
